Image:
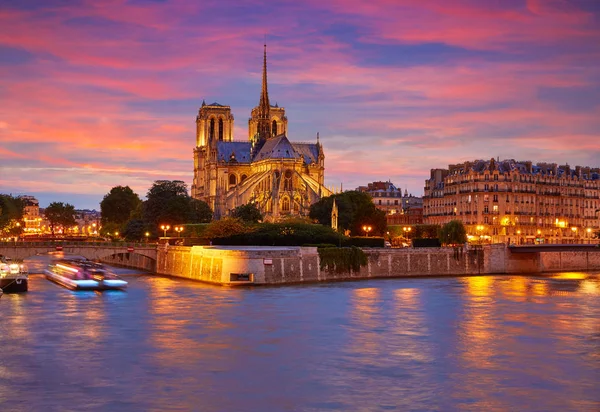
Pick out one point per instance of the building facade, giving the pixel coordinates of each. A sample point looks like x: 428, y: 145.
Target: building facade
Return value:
x: 32, y: 221
x: 280, y: 177
x: 516, y: 202
x: 400, y: 209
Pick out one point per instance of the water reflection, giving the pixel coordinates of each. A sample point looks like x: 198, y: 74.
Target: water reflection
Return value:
x: 473, y: 343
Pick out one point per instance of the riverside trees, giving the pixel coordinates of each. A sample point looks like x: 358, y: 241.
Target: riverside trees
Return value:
x: 355, y: 210
x: 60, y: 214
x: 167, y: 202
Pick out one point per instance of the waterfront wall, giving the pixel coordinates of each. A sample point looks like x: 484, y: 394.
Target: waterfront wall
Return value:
x: 227, y: 265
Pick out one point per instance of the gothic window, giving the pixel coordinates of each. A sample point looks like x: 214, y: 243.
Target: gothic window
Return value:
x: 211, y: 131
x: 287, y: 180
x: 274, y: 128
x: 221, y: 129
x: 285, y: 204
x: 244, y: 177
x: 232, y: 180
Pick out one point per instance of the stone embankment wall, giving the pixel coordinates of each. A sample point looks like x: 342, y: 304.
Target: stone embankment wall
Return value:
x: 282, y: 265
x: 131, y: 260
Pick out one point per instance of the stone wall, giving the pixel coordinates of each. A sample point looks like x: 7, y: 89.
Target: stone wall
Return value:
x: 228, y: 265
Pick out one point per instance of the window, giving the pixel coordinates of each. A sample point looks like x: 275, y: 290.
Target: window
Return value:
x: 495, y: 208
x: 232, y: 180
x: 285, y: 204
x: 211, y: 130
x: 274, y: 128
x: 221, y: 129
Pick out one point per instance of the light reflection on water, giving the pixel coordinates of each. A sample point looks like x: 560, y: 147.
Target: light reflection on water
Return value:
x: 472, y: 343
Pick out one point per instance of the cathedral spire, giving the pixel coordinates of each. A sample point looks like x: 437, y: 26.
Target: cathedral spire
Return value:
x: 264, y: 107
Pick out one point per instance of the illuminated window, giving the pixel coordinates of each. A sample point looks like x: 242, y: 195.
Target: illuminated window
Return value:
x: 274, y: 128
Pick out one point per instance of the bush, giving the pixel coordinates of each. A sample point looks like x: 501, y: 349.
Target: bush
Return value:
x: 342, y: 260
x: 282, y: 234
x: 426, y: 243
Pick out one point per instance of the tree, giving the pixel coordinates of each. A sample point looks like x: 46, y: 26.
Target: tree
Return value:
x: 168, y: 202
x: 11, y: 212
x: 453, y: 233
x: 201, y: 212
x: 118, y: 205
x: 60, y: 214
x: 425, y: 231
x: 226, y: 227
x: 247, y: 213
x: 135, y: 229
x: 355, y: 210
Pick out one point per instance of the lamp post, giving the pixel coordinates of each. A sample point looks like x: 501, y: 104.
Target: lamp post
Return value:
x: 178, y: 229
x: 367, y: 229
x: 147, y: 234
x: 165, y: 228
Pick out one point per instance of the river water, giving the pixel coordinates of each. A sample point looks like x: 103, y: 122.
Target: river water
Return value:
x: 503, y: 343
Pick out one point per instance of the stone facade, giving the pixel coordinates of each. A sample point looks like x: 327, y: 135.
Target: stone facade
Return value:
x: 516, y: 202
x: 288, y: 265
x: 280, y: 177
x: 399, y: 209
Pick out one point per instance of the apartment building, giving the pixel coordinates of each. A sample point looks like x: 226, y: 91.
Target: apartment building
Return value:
x: 516, y: 202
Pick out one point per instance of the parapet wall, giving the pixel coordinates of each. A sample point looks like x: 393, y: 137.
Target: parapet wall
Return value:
x: 282, y: 265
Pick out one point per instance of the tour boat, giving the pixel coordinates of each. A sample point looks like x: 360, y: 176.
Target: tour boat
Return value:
x: 83, y: 275
x: 13, y: 276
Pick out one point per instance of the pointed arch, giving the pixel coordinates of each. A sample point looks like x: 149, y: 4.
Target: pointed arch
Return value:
x: 221, y: 129
x: 211, y: 129
x: 274, y: 128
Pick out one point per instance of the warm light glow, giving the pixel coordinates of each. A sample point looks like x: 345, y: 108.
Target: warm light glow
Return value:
x: 574, y: 229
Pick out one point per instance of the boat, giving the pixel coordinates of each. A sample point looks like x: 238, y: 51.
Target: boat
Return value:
x: 14, y: 276
x: 77, y: 274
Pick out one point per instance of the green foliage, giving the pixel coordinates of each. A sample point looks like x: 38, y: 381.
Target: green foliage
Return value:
x: 11, y: 211
x: 200, y: 211
x: 135, y: 229
x: 109, y: 229
x: 355, y: 210
x: 60, y: 214
x: 425, y: 231
x: 168, y: 202
x: 342, y: 260
x: 247, y: 213
x: 118, y: 205
x: 225, y: 228
x: 282, y: 234
x: 453, y: 233
x: 197, y: 230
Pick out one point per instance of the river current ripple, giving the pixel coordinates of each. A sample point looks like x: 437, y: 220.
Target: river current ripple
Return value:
x: 502, y: 343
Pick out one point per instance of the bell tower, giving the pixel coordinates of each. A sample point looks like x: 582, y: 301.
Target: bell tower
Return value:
x: 213, y: 123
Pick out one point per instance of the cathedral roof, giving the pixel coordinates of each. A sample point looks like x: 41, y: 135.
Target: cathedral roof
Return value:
x: 216, y: 104
x: 239, y: 150
x: 309, y: 151
x: 278, y: 147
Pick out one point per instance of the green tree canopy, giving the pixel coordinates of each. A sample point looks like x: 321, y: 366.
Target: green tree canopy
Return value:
x: 226, y: 227
x: 118, y: 205
x: 247, y: 213
x: 168, y: 202
x: 60, y: 214
x: 11, y: 211
x: 355, y: 210
x: 453, y: 233
x: 135, y: 229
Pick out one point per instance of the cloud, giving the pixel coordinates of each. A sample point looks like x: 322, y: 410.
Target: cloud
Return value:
x: 95, y: 94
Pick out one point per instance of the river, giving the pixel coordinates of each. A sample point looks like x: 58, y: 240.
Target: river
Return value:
x: 482, y: 343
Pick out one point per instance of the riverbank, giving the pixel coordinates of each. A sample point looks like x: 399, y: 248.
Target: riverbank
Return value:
x: 228, y: 265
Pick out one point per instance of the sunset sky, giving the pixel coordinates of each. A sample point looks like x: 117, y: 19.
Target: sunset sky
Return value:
x: 100, y: 93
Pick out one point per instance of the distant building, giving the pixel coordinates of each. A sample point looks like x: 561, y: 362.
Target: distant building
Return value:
x: 399, y: 209
x: 280, y: 177
x: 31, y: 216
x: 516, y: 202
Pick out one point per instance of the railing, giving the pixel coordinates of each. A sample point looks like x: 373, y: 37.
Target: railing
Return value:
x: 55, y: 243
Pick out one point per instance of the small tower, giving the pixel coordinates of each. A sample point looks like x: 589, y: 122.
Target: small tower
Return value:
x: 214, y: 122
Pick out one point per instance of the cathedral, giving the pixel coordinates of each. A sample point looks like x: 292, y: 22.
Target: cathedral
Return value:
x: 282, y: 178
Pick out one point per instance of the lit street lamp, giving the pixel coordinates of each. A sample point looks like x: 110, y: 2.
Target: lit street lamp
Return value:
x: 178, y: 229
x: 165, y: 228
x: 147, y: 236
x: 367, y: 229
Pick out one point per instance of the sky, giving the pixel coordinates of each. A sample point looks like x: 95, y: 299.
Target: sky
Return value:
x: 96, y: 94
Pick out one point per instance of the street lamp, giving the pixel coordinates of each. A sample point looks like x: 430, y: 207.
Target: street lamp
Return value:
x: 178, y: 229
x: 165, y: 228
x: 147, y: 234
x: 367, y: 229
